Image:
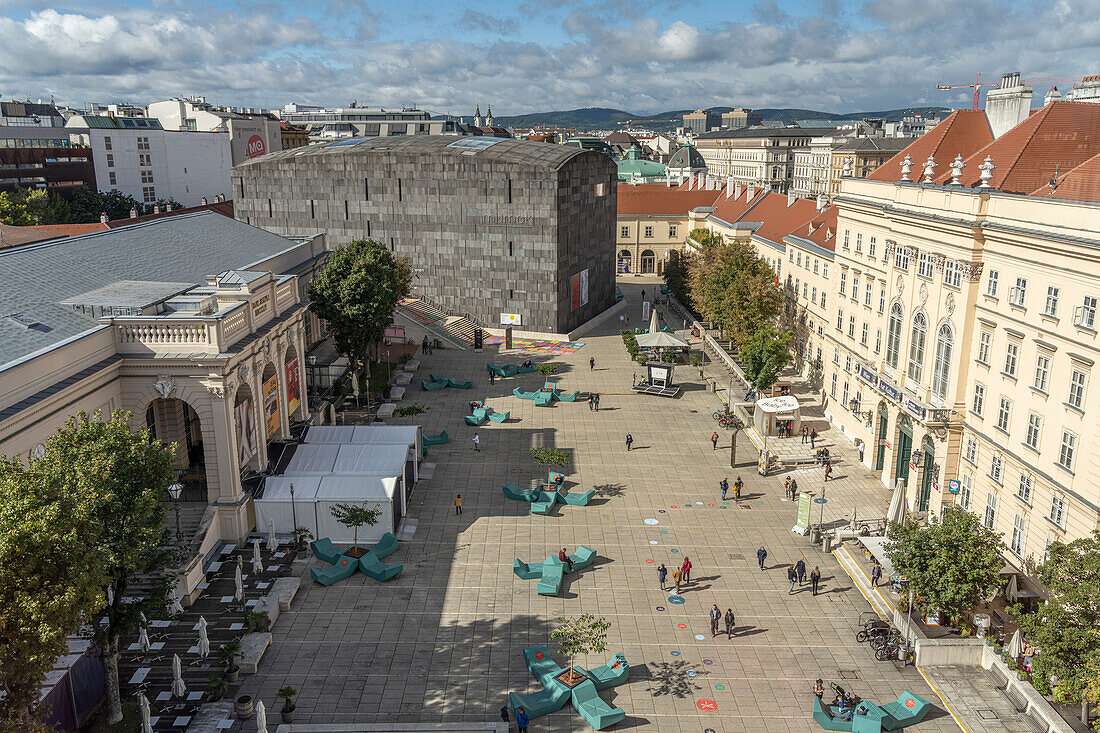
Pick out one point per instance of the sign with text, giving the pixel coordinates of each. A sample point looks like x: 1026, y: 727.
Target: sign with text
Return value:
x: 246, y: 432
x: 256, y: 146
x: 511, y: 319
x: 271, y: 405
x: 645, y: 311
x: 803, y: 522
x: 395, y: 332
x: 579, y: 289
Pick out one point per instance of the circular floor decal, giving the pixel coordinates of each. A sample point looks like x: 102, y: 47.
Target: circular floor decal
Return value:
x: 675, y: 654
x: 653, y: 542
x: 672, y: 507
x: 719, y: 687
x: 699, y: 502
x: 699, y: 637
x: 673, y: 550
x: 759, y: 502
x: 678, y: 600
x: 661, y: 511
x: 690, y: 673
x: 681, y: 626
x: 649, y: 561
x: 660, y: 608
x: 710, y: 505
x: 664, y: 531
x: 651, y: 521
x: 709, y: 730
x: 708, y: 661
x: 707, y: 706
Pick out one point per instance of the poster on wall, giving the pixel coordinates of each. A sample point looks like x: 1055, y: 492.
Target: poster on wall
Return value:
x: 293, y: 389
x: 271, y: 405
x: 246, y: 432
x: 579, y: 289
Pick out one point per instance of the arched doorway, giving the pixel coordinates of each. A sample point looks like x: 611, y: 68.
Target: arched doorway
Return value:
x: 292, y: 370
x: 622, y: 263
x: 928, y: 473
x: 883, y: 426
x: 173, y: 420
x: 904, y: 448
x: 649, y: 262
x: 244, y: 419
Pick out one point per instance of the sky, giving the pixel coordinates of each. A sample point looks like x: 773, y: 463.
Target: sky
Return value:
x: 643, y: 56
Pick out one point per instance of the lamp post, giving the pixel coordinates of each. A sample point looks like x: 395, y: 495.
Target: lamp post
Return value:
x: 174, y: 492
x: 294, y: 516
x: 737, y: 425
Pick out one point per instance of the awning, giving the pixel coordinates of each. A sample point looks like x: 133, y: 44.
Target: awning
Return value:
x: 877, y: 547
x: 661, y: 339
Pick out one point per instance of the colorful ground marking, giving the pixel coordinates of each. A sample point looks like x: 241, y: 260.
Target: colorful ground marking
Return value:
x: 708, y: 661
x: 691, y: 673
x: 675, y: 654
x: 707, y: 705
x: 649, y: 561
x: 681, y: 626
x: 678, y: 600
x: 699, y: 637
x: 651, y: 521
x: 549, y: 347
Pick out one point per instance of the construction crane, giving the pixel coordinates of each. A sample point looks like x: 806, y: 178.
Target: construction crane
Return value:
x: 977, y: 85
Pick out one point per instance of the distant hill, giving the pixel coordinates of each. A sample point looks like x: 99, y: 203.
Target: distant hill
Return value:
x: 604, y: 118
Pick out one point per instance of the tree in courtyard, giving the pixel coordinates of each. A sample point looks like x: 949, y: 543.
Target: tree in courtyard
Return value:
x: 952, y: 563
x: 676, y: 275
x: 48, y: 582
x: 119, y: 476
x: 88, y: 205
x: 735, y: 288
x: 1065, y: 627
x: 22, y: 206
x: 1090, y: 689
x: 584, y: 634
x: 355, y: 516
x: 547, y: 457
x: 696, y: 266
x: 763, y: 355
x: 356, y: 293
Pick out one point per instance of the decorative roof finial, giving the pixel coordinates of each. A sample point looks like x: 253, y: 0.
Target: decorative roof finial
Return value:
x: 986, y: 169
x: 489, y: 116
x: 957, y: 170
x: 477, y: 115
x: 847, y: 170
x: 906, y: 166
x: 929, y: 169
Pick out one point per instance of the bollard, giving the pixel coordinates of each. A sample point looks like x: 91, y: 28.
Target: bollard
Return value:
x: 827, y: 544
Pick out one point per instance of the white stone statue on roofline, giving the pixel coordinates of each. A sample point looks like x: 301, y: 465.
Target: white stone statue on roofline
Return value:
x: 986, y: 169
x: 929, y: 169
x: 957, y: 166
x: 906, y: 166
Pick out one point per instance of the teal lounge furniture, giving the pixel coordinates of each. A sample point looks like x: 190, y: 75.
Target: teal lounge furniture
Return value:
x: 593, y: 709
x: 611, y: 674
x: 385, y: 546
x: 557, y: 479
x: 499, y: 417
x: 543, y: 399
x: 433, y: 386
x: 540, y: 665
x: 567, y: 396
x: 545, y: 504
x: 524, y: 395
x: 440, y: 439
x: 572, y: 499
x: 582, y: 558
x: 908, y: 709
x: 460, y: 385
x: 825, y: 718
x: 371, y: 566
x: 509, y: 370
x: 343, y: 568
x: 323, y: 549
x: 665, y: 290
x: 550, y: 571
x: 553, y: 570
x: 475, y: 420
x: 541, y: 703
x: 514, y: 492
x: 524, y: 571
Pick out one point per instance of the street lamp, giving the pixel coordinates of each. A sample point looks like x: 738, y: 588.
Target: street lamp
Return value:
x: 294, y: 516
x: 174, y: 492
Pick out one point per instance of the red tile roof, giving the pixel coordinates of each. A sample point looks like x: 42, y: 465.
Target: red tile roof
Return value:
x: 225, y: 208
x: 653, y: 199
x: 735, y: 207
x: 780, y: 217
x: 71, y: 230
x: 1079, y: 184
x: 824, y: 229
x: 964, y: 132
x: 12, y: 236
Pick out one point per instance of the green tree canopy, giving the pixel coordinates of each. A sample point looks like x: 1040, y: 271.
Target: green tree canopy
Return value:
x: 356, y: 293
x: 355, y: 516
x: 764, y: 354
x: 734, y: 287
x: 952, y: 563
x: 120, y: 476
x: 47, y: 582
x: 1066, y: 626
x: 584, y: 634
x: 23, y: 207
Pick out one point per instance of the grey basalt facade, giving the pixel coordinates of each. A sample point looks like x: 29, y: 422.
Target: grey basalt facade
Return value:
x: 490, y: 226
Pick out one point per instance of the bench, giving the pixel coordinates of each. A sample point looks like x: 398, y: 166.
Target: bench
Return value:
x: 1016, y: 697
x: 540, y: 703
x: 545, y: 669
x: 553, y: 570
x: 411, y: 365
x: 525, y: 395
x: 323, y: 549
x: 1000, y: 678
x: 461, y: 385
x: 252, y: 650
x: 574, y: 499
x: 1036, y: 724
x: 385, y: 546
x: 568, y: 396
x: 372, y: 567
x: 404, y: 378
x: 284, y: 590
x: 582, y: 558
x: 797, y: 460
x: 593, y: 709
x: 824, y: 717
x: 397, y: 393
x: 907, y: 710
x: 386, y: 410
x: 615, y: 672
x: 514, y: 492
x: 342, y: 569
x: 475, y: 420
x: 545, y: 504
x: 433, y: 386
x: 543, y: 399
x: 500, y: 416
x: 440, y: 439
x: 524, y: 571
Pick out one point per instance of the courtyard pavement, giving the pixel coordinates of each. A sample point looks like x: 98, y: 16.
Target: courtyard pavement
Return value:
x: 442, y: 642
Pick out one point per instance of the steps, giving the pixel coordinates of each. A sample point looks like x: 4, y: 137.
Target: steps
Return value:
x: 457, y: 329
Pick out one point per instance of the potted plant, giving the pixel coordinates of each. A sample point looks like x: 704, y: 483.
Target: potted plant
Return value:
x: 300, y: 536
x: 287, y: 695
x: 228, y: 654
x: 215, y: 687
x: 584, y: 634
x: 355, y: 516
x: 550, y: 457
x: 257, y: 621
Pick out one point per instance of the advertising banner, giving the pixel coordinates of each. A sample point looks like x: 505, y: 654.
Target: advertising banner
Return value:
x: 579, y: 289
x: 246, y: 432
x: 293, y: 388
x: 271, y: 405
x: 803, y: 522
x: 645, y: 310
x: 511, y: 319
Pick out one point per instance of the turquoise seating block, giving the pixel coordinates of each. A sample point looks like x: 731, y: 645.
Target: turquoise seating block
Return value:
x: 543, y: 399
x: 520, y: 369
x: 550, y: 386
x: 497, y: 370
x: 557, y: 479
x: 385, y: 546
x: 540, y: 703
x: 568, y: 396
x: 546, y: 502
x: 583, y: 557
x: 825, y: 716
x: 460, y: 385
x: 514, y: 492
x: 372, y: 567
x: 500, y: 416
x: 553, y: 570
x: 615, y: 672
x: 543, y: 669
x: 575, y: 499
x: 524, y: 395
x: 592, y: 708
x: 524, y: 571
x: 440, y: 439
x: 908, y: 709
x: 343, y: 568
x: 665, y: 290
x: 323, y: 549
x: 480, y: 412
x: 433, y: 386
x: 437, y: 378
x: 472, y: 420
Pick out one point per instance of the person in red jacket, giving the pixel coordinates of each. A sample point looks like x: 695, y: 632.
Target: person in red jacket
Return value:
x: 686, y: 570
x: 565, y: 560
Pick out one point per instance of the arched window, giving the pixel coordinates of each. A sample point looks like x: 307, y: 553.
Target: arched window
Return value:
x: 941, y: 365
x: 917, y: 340
x: 893, y: 335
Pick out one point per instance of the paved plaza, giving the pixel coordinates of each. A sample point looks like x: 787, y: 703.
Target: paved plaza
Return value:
x: 442, y: 642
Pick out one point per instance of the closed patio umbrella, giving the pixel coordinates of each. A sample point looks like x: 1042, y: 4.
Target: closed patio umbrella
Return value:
x: 1012, y: 590
x: 204, y: 640
x: 238, y: 580
x: 178, y: 688
x: 261, y: 717
x: 896, y: 512
x: 146, y: 714
x: 654, y: 325
x: 143, y: 640
x: 1015, y: 645
x: 272, y: 542
x: 175, y: 608
x: 257, y: 566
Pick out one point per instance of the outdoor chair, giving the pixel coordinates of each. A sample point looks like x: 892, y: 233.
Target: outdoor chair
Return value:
x: 323, y: 549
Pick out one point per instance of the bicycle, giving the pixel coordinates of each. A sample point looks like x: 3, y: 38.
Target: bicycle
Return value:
x: 722, y: 414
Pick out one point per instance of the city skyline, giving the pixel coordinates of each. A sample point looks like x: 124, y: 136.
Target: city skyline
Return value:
x: 645, y: 57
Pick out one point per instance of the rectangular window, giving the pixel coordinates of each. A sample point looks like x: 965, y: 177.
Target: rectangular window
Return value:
x: 1042, y: 372
x: 966, y: 490
x: 110, y: 160
x: 882, y: 300
x: 1034, y: 431
x: 1077, y: 389
x: 144, y: 159
x: 798, y: 260
x: 823, y: 300
x: 840, y: 320
x: 843, y: 283
x: 1018, y: 294
x: 1024, y: 489
x: 1067, y: 451
x: 648, y: 232
x: 511, y: 250
x: 878, y: 340
x: 991, y: 283
x: 901, y: 258
x: 107, y: 143
x: 924, y: 265
x: 313, y: 212
x: 1086, y: 314
x: 366, y: 189
x: 817, y: 265
x: 864, y: 333
x: 813, y: 297
x: 1051, y: 306
x: 832, y: 388
x: 952, y: 275
x: 599, y: 190
x: 868, y: 294
x: 671, y: 231
x: 148, y: 194
x: 985, y: 340
x: 871, y: 247
x: 790, y: 255
x: 851, y: 327
x: 824, y: 269
x: 844, y: 396
x: 624, y: 232
x: 990, y: 510
x: 996, y: 468
x: 971, y: 453
x: 855, y: 287
x: 836, y: 356
x: 147, y: 176
x: 859, y: 243
x: 979, y: 399
x: 143, y: 143
x: 1012, y: 354
x: 1004, y: 414
x: 1017, y: 543
x: 847, y: 238
x: 848, y: 364
x: 111, y: 178
x: 1058, y: 510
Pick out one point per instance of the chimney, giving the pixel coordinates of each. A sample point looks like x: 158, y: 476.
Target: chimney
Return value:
x: 168, y: 207
x: 1008, y: 105
x: 103, y: 217
x: 133, y: 212
x: 156, y: 208
x: 1052, y: 96
x: 737, y: 190
x: 729, y: 186
x: 203, y: 201
x: 822, y: 202
x: 750, y: 193
x: 790, y: 199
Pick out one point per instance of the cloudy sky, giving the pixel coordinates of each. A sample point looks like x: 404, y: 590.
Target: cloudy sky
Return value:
x: 640, y: 55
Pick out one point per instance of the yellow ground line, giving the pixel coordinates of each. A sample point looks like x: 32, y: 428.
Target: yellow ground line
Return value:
x: 856, y: 582
x: 945, y: 703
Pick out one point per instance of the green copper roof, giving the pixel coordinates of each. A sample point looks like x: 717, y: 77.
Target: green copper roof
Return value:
x: 634, y: 166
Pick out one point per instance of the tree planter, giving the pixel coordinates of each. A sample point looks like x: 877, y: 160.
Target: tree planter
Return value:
x: 231, y: 675
x: 288, y: 715
x: 570, y: 678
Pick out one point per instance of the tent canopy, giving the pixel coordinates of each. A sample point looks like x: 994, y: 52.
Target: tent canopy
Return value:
x: 363, y: 434
x: 328, y: 458
x: 660, y: 339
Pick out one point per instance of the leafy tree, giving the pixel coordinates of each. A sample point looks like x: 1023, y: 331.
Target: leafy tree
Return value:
x: 1065, y: 626
x: 735, y: 288
x: 584, y: 634
x: 120, y: 476
x: 87, y: 205
x: 356, y: 293
x: 764, y: 355
x: 676, y: 274
x: 22, y: 207
x: 550, y: 457
x: 1091, y: 682
x: 355, y: 516
x: 952, y: 563
x: 47, y: 582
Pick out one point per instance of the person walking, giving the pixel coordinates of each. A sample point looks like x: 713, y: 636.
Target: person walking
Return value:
x: 522, y: 719
x: 714, y: 440
x: 634, y: 380
x: 724, y: 485
x: 477, y: 443
x: 565, y: 559
x: 794, y: 489
x: 729, y: 622
x: 643, y: 293
x: 800, y: 568
x: 591, y: 402
x: 805, y: 435
x: 662, y: 573
x: 761, y: 555
x: 504, y: 713
x: 686, y: 568
x: 597, y: 401
x: 828, y: 470
x: 629, y: 441
x: 815, y: 578
x: 737, y: 485
x: 492, y: 377
x: 792, y: 576
x: 620, y: 321
x: 591, y: 363
x: 787, y: 487
x: 677, y: 577
x: 876, y: 574
x: 458, y: 504
x: 715, y: 615
x: 813, y: 438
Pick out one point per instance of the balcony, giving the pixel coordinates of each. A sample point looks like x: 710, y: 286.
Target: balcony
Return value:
x: 181, y: 334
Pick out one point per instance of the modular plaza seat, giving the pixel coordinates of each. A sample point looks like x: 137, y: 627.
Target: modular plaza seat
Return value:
x: 438, y: 381
x: 547, y: 395
x: 343, y: 566
x: 551, y: 571
x: 555, y: 693
x: 867, y: 717
x: 546, y: 496
x: 483, y: 414
x: 509, y: 370
x: 440, y: 439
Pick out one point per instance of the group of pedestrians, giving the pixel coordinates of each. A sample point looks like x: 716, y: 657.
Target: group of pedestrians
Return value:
x: 724, y: 485
x: 796, y: 572
x: 715, y: 615
x: 680, y: 575
x: 594, y: 401
x: 790, y: 487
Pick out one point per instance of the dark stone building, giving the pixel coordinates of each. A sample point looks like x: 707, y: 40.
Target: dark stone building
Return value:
x: 490, y: 226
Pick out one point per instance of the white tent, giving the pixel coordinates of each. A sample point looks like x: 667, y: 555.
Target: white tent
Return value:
x: 314, y: 497
x: 275, y: 503
x: 408, y: 435
x: 312, y: 460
